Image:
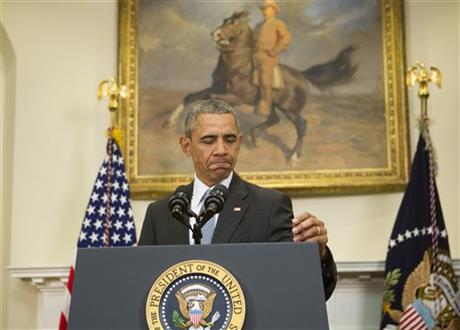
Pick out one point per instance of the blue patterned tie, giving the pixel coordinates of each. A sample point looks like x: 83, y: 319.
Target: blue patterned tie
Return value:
x: 208, y: 228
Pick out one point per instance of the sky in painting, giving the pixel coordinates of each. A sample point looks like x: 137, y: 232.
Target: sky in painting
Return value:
x: 176, y: 51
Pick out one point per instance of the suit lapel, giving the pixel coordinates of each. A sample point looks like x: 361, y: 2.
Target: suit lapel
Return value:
x: 233, y: 212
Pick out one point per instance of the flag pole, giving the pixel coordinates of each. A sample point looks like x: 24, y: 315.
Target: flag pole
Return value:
x: 420, y: 74
x: 111, y: 89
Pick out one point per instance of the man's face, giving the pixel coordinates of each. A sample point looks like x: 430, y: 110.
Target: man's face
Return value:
x: 214, y: 145
x: 269, y: 12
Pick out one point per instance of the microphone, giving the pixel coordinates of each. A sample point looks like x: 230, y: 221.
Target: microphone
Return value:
x: 214, y: 203
x: 178, y: 204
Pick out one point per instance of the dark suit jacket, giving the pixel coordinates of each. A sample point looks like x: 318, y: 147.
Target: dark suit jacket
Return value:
x: 251, y: 214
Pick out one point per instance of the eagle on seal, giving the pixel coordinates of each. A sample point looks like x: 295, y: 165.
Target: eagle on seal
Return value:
x: 195, y: 303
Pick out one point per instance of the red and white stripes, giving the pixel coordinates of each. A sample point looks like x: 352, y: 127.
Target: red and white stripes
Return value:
x: 411, y: 320
x: 63, y: 321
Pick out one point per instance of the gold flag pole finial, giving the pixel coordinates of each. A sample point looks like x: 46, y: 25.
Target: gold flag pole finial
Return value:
x: 114, y: 91
x: 421, y: 75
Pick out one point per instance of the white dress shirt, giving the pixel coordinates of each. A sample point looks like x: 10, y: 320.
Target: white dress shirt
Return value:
x: 199, y: 189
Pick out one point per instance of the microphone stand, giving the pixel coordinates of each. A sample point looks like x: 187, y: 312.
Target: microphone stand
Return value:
x: 197, y: 235
x: 200, y: 221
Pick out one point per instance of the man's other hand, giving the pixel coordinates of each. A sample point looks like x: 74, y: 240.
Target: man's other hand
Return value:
x: 308, y: 228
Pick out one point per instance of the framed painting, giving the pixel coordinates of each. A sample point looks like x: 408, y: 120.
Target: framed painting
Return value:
x: 338, y: 123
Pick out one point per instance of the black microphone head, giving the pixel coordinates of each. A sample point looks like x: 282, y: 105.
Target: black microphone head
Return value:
x: 179, y: 202
x: 181, y: 189
x: 220, y: 190
x: 216, y: 198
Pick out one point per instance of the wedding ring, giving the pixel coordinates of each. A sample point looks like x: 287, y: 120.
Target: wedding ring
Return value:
x: 318, y: 230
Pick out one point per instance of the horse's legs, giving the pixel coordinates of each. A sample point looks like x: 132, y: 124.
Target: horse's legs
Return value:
x: 271, y: 120
x: 300, y: 125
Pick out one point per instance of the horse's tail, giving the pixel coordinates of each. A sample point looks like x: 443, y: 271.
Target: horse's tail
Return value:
x: 335, y: 72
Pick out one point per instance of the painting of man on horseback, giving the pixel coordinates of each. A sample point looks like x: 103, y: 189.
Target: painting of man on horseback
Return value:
x: 318, y: 72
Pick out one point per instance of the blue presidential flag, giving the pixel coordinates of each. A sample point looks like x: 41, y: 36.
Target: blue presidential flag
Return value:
x: 421, y: 290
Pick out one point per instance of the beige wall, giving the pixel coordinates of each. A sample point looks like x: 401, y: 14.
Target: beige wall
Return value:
x: 458, y: 121
x: 63, y: 49
x: 7, y: 92
x: 438, y: 44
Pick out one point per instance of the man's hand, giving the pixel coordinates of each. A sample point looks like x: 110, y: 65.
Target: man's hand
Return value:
x: 308, y: 228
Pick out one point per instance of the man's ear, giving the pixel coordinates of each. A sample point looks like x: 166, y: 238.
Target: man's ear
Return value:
x: 185, y: 145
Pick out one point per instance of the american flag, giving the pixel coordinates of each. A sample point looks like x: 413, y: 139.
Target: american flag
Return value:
x: 108, y: 220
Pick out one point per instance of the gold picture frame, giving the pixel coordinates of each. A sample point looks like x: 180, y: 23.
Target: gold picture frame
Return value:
x: 381, y: 162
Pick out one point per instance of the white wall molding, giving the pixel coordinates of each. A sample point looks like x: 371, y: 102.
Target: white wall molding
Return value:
x: 50, y: 284
x: 374, y: 267
x: 355, y: 304
x: 350, y: 267
x: 42, y: 278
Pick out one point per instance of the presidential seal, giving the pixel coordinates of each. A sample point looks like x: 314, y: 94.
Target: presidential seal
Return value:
x: 195, y: 295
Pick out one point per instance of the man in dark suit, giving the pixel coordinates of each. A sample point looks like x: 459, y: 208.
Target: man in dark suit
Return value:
x: 251, y: 213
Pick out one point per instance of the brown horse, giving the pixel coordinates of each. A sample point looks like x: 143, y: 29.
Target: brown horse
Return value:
x: 232, y: 79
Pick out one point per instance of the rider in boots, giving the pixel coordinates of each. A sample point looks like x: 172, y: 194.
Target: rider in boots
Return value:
x: 271, y: 38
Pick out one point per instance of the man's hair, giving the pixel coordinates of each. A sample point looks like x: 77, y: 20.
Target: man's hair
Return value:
x: 215, y: 107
